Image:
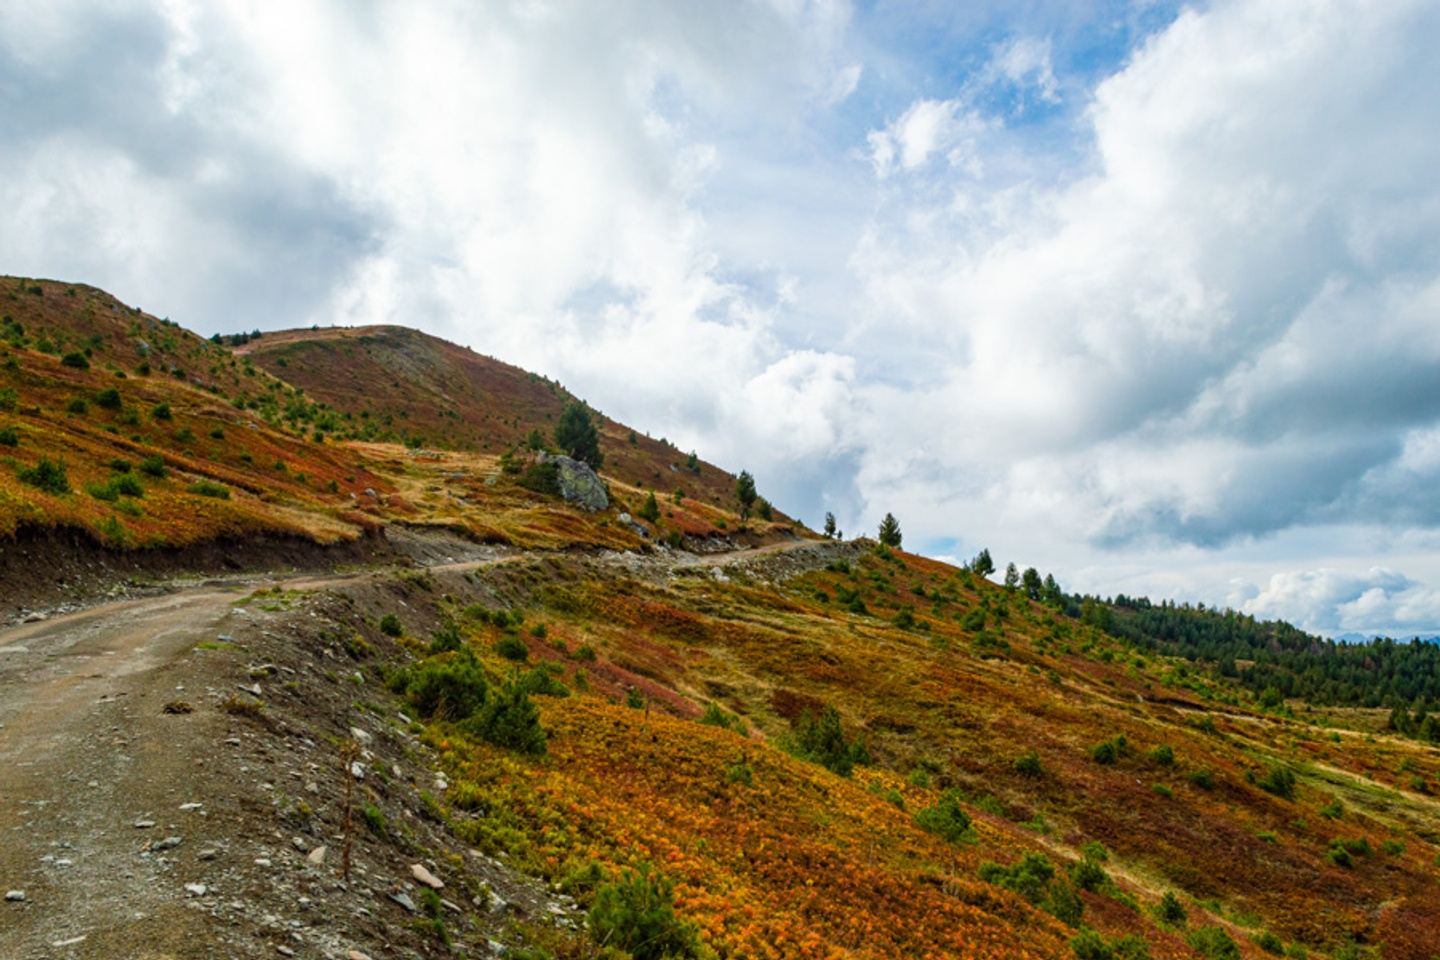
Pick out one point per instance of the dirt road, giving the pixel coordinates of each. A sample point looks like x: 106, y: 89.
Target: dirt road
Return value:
x: 109, y: 804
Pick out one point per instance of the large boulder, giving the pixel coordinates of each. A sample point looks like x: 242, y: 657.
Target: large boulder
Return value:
x: 578, y: 483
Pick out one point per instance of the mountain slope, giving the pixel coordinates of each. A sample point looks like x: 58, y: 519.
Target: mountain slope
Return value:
x: 400, y: 384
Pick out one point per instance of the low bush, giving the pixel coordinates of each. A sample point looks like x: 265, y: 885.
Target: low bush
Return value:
x: 945, y: 818
x: 48, y: 475
x: 447, y: 689
x: 512, y: 648
x: 510, y: 720
x: 9, y: 437
x: 108, y: 399
x: 76, y: 359
x: 390, y: 625
x: 1279, y: 780
x: 821, y: 739
x: 1028, y: 764
x: 153, y: 466
x: 1110, y: 751
x: 1213, y: 943
x: 1170, y: 909
x: 207, y: 488
x: 161, y: 411
x: 636, y: 913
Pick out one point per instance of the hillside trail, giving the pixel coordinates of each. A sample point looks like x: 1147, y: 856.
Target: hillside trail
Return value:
x: 90, y: 762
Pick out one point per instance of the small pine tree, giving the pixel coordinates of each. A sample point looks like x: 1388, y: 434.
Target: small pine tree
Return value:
x: 1012, y: 577
x: 650, y: 510
x: 763, y: 509
x: 510, y: 720
x: 636, y: 913
x: 830, y: 530
x: 982, y: 564
x: 745, y: 493
x: 1032, y: 584
x: 890, y: 531
x: 575, y: 434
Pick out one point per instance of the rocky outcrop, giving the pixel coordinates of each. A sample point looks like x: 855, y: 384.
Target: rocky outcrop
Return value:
x: 578, y: 483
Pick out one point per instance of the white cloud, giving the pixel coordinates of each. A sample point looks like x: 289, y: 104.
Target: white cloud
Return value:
x: 1200, y: 328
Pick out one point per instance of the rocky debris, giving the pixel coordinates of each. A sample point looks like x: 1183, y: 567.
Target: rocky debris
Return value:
x: 196, y: 889
x: 404, y: 900
x: 578, y: 483
x: 360, y: 736
x: 317, y: 856
x: 144, y: 824
x: 177, y: 707
x: 169, y: 843
x: 629, y: 523
x: 424, y: 876
x: 15, y: 896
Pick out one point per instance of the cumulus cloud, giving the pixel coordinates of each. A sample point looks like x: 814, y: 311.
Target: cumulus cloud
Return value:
x: 1224, y: 328
x: 1177, y: 314
x: 1332, y: 601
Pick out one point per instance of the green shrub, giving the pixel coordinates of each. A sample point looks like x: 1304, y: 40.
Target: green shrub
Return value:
x: 1392, y: 848
x: 585, y: 652
x: 1170, y: 909
x: 445, y: 639
x: 9, y: 437
x: 375, y: 820
x: 512, y: 647
x: 9, y: 400
x: 153, y: 466
x: 49, y: 475
x: 1029, y: 877
x: 120, y: 465
x: 161, y: 411
x: 904, y: 618
x: 634, y: 699
x: 716, y: 717
x: 1109, y: 751
x: 542, y: 478
x: 1087, y: 874
x: 540, y: 682
x: 1214, y: 943
x: 649, y: 510
x: 78, y: 406
x: 207, y: 488
x: 636, y: 913
x: 1333, y: 810
x: 1089, y: 945
x: 1279, y: 780
x: 821, y: 739
x: 1163, y: 755
x: 108, y: 399
x: 390, y: 625
x: 1028, y: 764
x: 510, y: 720
x: 447, y: 690
x: 1270, y: 943
x: 1203, y: 779
x: 945, y: 818
x: 76, y: 359
x: 121, y: 485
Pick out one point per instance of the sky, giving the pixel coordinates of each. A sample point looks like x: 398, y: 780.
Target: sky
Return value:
x: 1141, y: 294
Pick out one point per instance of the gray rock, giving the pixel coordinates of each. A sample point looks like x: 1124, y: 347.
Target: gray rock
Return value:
x: 15, y: 896
x: 169, y: 843
x: 196, y: 889
x: 579, y: 484
x: 404, y: 900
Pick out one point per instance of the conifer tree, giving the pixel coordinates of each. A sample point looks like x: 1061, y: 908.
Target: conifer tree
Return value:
x: 890, y: 531
x: 745, y: 493
x: 576, y: 435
